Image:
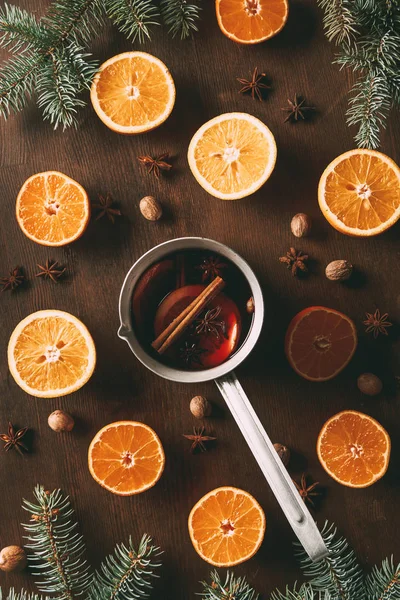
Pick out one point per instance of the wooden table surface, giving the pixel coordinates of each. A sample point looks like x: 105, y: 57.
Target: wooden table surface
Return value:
x: 292, y: 409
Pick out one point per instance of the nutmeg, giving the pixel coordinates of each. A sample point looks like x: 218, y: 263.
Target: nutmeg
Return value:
x: 13, y: 558
x: 369, y: 384
x: 301, y: 225
x: 150, y: 208
x: 250, y: 305
x: 339, y: 270
x: 283, y: 453
x: 60, y: 421
x: 200, y: 407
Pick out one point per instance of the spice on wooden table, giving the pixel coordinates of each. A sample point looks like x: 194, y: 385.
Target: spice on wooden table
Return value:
x: 295, y: 260
x: 106, y: 207
x: 156, y: 164
x: 307, y: 491
x: 51, y: 270
x: 377, y: 323
x: 13, y: 439
x: 13, y: 280
x: 297, y: 109
x: 254, y: 85
x: 198, y: 439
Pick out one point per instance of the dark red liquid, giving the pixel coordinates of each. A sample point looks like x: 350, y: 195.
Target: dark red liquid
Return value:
x: 169, y: 286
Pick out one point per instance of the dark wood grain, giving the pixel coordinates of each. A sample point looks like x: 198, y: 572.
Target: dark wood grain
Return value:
x: 292, y: 409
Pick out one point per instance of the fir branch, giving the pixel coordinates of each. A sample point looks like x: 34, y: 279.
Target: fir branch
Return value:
x: 17, y: 81
x: 231, y: 589
x: 304, y: 592
x: 19, y: 30
x: 134, y: 18
x: 383, y: 583
x: 22, y: 595
x: 127, y: 574
x: 368, y: 108
x: 180, y: 16
x: 340, y: 22
x: 57, y: 547
x: 339, y: 573
x: 73, y: 20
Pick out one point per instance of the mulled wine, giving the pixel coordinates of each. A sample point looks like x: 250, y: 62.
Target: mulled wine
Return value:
x: 190, y: 310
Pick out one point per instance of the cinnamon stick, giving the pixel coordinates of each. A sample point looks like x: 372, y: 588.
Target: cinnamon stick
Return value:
x: 187, y: 316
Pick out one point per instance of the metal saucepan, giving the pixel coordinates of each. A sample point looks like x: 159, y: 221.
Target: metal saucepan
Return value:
x: 249, y: 424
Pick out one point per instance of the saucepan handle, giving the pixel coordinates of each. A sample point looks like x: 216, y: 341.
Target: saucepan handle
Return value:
x: 271, y: 465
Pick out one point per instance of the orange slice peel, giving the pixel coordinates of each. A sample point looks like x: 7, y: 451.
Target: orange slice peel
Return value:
x: 354, y: 449
x: 251, y: 21
x: 126, y: 458
x: 359, y: 193
x: 227, y: 526
x: 232, y: 155
x: 51, y: 353
x: 52, y: 209
x: 133, y: 92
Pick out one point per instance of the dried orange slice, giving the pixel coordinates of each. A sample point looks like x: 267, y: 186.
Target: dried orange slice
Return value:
x: 251, y: 21
x: 354, y: 449
x: 52, y: 209
x: 227, y: 526
x: 133, y: 92
x: 126, y: 458
x: 51, y: 353
x: 320, y: 342
x: 232, y: 155
x: 359, y: 193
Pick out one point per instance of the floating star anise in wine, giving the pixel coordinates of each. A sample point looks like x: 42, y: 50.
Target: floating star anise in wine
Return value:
x: 106, y: 207
x: 12, y: 438
x: 297, y: 109
x: 156, y: 164
x: 198, y: 438
x: 295, y: 260
x: 377, y: 323
x: 212, y: 267
x: 210, y: 323
x: 51, y: 270
x: 254, y: 85
x: 191, y: 353
x: 13, y: 280
x: 307, y: 491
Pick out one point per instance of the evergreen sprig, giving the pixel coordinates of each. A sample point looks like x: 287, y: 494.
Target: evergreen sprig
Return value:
x: 180, y: 17
x: 51, y: 59
x: 336, y: 577
x: 127, y: 574
x: 57, y: 547
x: 231, y: 588
x: 22, y: 595
x: 367, y: 33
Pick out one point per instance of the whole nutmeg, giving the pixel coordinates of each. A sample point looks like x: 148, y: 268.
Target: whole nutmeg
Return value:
x: 60, y: 421
x: 200, y: 407
x: 283, y: 453
x: 150, y: 208
x: 250, y: 305
x: 339, y: 270
x: 369, y: 384
x: 301, y: 225
x: 12, y: 558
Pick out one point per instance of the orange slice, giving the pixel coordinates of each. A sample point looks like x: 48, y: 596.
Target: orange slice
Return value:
x: 52, y: 209
x: 232, y: 155
x: 133, y: 92
x: 354, y: 449
x: 227, y: 526
x: 320, y: 342
x: 359, y: 193
x: 51, y: 353
x: 251, y: 21
x: 126, y: 458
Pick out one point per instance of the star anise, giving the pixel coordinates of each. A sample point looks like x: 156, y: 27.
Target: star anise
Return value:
x: 295, y: 261
x: 306, y: 491
x: 210, y: 323
x: 13, y: 438
x: 297, y: 109
x: 254, y: 85
x: 212, y: 267
x: 377, y: 323
x: 51, y: 270
x: 106, y: 207
x: 156, y: 164
x: 198, y: 438
x: 191, y: 353
x: 14, y: 280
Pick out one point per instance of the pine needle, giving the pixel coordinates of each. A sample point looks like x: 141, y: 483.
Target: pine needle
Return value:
x: 180, y: 16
